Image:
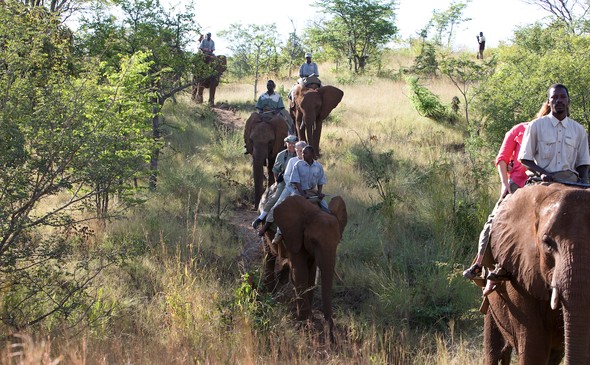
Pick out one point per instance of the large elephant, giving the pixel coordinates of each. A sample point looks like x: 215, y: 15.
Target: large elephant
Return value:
x: 541, y: 235
x: 309, y: 109
x: 264, y: 139
x: 219, y: 64
x: 310, y: 238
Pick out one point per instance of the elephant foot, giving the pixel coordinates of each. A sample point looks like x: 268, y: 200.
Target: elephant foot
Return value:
x: 199, y: 99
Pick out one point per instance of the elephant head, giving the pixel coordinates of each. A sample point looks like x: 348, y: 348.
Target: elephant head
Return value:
x: 541, y: 235
x: 264, y: 139
x: 218, y: 65
x: 310, y: 239
x: 311, y: 107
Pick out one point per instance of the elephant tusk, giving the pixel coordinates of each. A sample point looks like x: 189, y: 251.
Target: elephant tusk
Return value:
x: 554, y: 298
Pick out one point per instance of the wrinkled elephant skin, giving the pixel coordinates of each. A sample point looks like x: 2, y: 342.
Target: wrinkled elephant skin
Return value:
x: 541, y: 235
x: 310, y: 108
x: 264, y: 139
x: 310, y: 239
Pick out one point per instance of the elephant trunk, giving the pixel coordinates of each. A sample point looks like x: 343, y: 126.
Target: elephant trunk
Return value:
x: 576, y: 314
x: 259, y: 158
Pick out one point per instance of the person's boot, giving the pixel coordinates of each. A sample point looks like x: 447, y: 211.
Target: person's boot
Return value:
x: 264, y: 228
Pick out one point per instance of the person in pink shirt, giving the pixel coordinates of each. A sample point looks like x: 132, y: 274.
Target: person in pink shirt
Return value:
x: 512, y: 176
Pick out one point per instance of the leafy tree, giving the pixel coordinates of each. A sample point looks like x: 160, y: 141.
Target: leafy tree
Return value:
x: 358, y: 28
x: 163, y: 35
x: 72, y: 133
x: 466, y: 74
x: 293, y: 50
x: 540, y: 56
x: 254, y: 48
x: 445, y: 22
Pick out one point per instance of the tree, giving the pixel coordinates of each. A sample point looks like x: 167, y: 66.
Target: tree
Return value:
x: 293, y: 49
x: 254, y: 48
x: 163, y: 35
x: 540, y: 56
x: 72, y: 132
x: 571, y: 12
x: 466, y: 74
x: 445, y: 22
x: 358, y: 28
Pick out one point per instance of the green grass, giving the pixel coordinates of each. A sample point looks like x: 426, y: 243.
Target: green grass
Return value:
x: 399, y: 298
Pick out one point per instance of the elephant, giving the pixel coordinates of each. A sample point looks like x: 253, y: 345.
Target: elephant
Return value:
x: 219, y: 64
x: 540, y: 235
x: 310, y: 237
x: 264, y: 139
x: 309, y: 109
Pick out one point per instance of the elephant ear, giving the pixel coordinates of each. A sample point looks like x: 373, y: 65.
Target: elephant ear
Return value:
x: 514, y: 237
x: 338, y: 209
x: 281, y: 131
x: 331, y: 97
x: 250, y: 123
x: 292, y: 215
x: 222, y: 64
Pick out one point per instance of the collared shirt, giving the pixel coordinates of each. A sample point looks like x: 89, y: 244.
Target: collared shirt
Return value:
x: 272, y: 102
x: 289, y: 170
x: 207, y: 45
x: 509, y: 152
x: 308, y: 175
x: 281, y: 161
x: 308, y: 69
x: 555, y: 145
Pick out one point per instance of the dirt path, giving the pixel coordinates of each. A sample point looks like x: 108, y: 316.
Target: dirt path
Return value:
x: 241, y: 219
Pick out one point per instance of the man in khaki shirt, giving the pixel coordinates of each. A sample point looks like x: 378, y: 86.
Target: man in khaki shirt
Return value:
x: 556, y: 146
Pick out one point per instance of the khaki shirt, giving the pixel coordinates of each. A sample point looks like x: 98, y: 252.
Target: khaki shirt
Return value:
x: 555, y: 145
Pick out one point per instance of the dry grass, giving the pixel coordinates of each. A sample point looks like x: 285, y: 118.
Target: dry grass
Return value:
x: 176, y: 304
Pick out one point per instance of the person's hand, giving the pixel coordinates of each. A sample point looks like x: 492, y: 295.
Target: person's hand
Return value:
x: 546, y: 177
x: 505, y: 191
x: 510, y: 166
x: 321, y: 195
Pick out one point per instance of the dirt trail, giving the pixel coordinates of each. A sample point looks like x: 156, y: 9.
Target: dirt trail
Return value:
x: 242, y: 218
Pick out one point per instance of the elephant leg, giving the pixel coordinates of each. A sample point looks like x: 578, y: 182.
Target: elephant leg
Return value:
x: 317, y: 132
x: 199, y: 98
x: 300, y: 275
x: 194, y: 90
x: 212, y: 89
x: 268, y: 276
x: 497, y: 350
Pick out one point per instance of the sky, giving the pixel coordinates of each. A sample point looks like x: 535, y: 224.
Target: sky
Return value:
x: 497, y: 19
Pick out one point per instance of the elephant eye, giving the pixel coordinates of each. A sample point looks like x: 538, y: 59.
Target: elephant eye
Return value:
x: 549, y: 243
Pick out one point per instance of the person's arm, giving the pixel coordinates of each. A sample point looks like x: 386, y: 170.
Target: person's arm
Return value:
x: 301, y: 71
x: 583, y: 158
x: 315, y: 69
x: 503, y: 172
x: 532, y: 166
x: 296, y: 180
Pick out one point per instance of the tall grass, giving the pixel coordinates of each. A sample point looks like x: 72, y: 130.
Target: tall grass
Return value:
x: 183, y: 294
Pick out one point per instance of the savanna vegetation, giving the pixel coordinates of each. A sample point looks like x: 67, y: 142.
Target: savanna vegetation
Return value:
x: 119, y: 195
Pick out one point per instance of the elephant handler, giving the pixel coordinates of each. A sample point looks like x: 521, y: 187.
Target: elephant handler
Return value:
x: 308, y: 178
x: 512, y: 177
x: 207, y: 46
x: 270, y: 103
x: 278, y: 171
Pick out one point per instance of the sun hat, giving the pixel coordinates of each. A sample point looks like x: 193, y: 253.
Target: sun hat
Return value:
x: 291, y: 138
x: 308, y: 55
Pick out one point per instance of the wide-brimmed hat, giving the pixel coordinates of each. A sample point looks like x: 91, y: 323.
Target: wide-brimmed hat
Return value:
x: 308, y: 55
x: 291, y: 138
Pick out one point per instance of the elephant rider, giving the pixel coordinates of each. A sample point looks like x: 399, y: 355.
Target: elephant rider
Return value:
x: 556, y: 148
x: 278, y: 169
x: 207, y: 46
x: 512, y: 177
x: 308, y: 76
x: 308, y: 178
x: 270, y: 103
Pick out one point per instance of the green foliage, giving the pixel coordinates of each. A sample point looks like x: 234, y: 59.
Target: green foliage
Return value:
x: 256, y: 305
x: 357, y: 30
x: 427, y: 103
x: 255, y: 49
x: 426, y: 63
x: 73, y: 135
x: 540, y: 56
x: 445, y: 22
